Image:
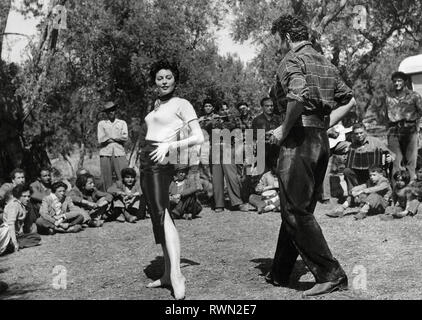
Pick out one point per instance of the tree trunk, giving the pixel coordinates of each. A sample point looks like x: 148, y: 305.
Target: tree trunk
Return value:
x: 82, y: 153
x: 5, y: 6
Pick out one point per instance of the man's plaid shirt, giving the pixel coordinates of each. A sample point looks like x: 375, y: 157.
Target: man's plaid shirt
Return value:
x: 244, y: 123
x: 308, y: 77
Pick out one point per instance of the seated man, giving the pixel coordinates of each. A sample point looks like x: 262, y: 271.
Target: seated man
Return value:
x: 183, y: 201
x: 17, y: 176
x: 373, y: 196
x: 364, y: 151
x: 128, y: 200
x: 40, y: 189
x: 58, y: 213
x: 12, y: 235
x: 95, y: 204
x: 266, y: 198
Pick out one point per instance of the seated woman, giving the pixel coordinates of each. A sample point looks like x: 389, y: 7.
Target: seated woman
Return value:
x: 266, y: 198
x: 128, y: 200
x: 12, y: 237
x: 95, y: 204
x: 183, y: 200
x: 58, y: 213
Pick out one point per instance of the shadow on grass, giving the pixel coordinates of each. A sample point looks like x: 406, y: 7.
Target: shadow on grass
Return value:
x: 156, y: 268
x: 16, y: 291
x: 300, y: 269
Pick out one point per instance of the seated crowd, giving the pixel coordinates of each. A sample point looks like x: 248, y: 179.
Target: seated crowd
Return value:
x: 52, y: 204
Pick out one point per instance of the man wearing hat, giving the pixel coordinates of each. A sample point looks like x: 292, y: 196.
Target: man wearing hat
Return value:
x: 404, y: 110
x: 112, y: 134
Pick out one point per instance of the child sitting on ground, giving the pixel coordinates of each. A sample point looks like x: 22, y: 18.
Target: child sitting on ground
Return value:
x: 373, y: 197
x: 400, y: 195
x: 413, y: 198
x: 95, y: 203
x: 266, y: 198
x: 183, y: 200
x: 58, y: 213
x: 128, y: 201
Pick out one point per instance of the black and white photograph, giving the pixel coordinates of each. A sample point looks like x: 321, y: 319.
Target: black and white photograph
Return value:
x: 225, y: 151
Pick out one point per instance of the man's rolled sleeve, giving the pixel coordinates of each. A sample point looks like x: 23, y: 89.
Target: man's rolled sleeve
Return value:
x: 342, y: 93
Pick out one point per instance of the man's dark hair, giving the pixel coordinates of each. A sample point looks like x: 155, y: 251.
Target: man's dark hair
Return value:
x: 358, y: 126
x: 82, y: 179
x: 375, y: 168
x: 403, y: 174
x: 166, y: 65
x: 44, y: 169
x: 399, y: 74
x: 19, y: 189
x: 207, y: 100
x: 14, y: 172
x: 287, y: 23
x: 57, y: 185
x: 128, y: 172
x: 265, y: 99
x: 241, y: 104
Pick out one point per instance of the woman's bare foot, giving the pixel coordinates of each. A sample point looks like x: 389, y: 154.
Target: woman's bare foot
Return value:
x: 163, y: 282
x: 178, y: 284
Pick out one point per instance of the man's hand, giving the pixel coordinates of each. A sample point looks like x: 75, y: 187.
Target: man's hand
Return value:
x: 277, y: 136
x: 332, y: 133
x: 388, y: 158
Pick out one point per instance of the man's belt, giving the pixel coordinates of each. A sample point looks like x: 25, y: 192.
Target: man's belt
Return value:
x: 402, y: 124
x: 313, y: 120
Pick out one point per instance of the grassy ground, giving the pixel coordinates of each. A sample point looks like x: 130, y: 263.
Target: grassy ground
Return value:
x: 224, y: 256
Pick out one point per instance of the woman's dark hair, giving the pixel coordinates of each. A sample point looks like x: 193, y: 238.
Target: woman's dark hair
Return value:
x: 403, y: 174
x: 128, y: 172
x: 82, y: 179
x: 14, y: 172
x: 19, y: 189
x: 57, y: 185
x: 287, y: 23
x: 166, y: 65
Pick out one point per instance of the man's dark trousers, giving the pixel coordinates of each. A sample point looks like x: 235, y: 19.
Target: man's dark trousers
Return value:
x: 302, y: 164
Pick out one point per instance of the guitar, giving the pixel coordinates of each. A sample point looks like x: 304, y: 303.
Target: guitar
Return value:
x: 342, y: 131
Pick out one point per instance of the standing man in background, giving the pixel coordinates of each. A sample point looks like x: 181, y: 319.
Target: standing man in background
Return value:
x: 404, y: 110
x: 317, y: 99
x: 112, y: 134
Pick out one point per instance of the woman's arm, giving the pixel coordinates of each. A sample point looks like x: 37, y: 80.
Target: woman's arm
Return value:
x: 196, y: 137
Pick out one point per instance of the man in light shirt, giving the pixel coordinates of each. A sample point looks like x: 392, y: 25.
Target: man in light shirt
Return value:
x: 112, y: 134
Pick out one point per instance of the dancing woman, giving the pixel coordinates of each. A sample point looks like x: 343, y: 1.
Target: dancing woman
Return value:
x: 170, y: 115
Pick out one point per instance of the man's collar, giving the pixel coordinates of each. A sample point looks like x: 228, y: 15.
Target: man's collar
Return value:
x: 300, y: 45
x: 406, y: 91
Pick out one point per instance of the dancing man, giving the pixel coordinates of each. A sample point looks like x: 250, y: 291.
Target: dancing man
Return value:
x: 317, y: 98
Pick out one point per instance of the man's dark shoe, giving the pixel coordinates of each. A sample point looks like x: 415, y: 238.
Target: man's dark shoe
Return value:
x: 326, y: 287
x: 276, y: 282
